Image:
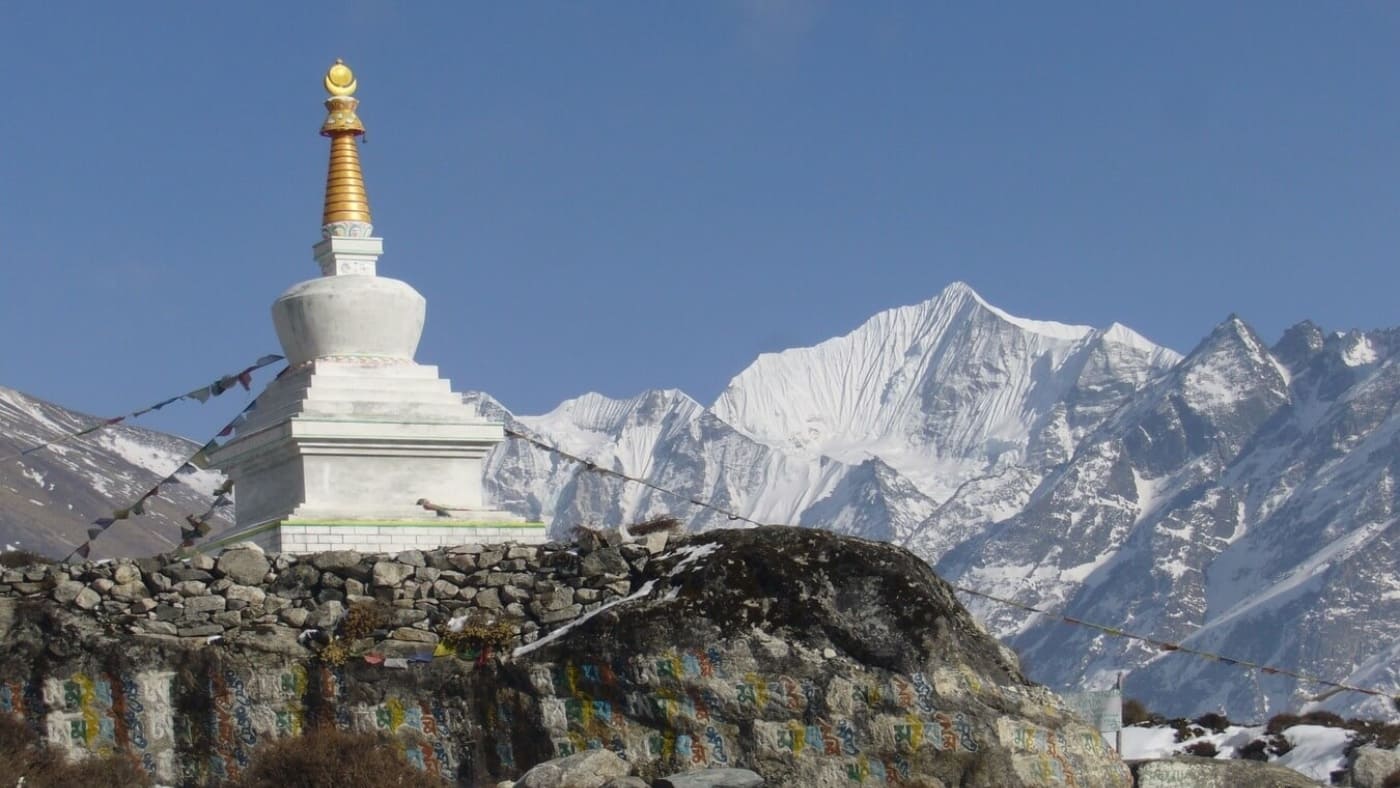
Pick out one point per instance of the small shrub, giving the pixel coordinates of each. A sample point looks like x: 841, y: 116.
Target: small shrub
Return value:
x: 1254, y: 751
x: 331, y: 758
x: 18, y: 559
x: 335, y: 653
x: 27, y: 760
x: 1185, y: 731
x: 1392, y: 780
x: 664, y: 522
x: 496, y: 634
x: 1280, y: 723
x: 363, y: 618
x: 1135, y: 712
x: 1204, y: 749
x: 1214, y: 722
x: 1326, y: 718
x: 1279, y: 745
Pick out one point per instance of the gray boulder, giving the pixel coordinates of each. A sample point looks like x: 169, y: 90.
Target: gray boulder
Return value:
x: 587, y: 769
x: 244, y: 566
x: 712, y: 778
x: 389, y: 574
x: 1371, y: 766
x: 1188, y: 771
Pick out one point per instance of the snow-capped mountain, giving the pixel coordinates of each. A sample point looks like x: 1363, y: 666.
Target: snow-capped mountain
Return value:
x: 49, y: 498
x: 1240, y: 499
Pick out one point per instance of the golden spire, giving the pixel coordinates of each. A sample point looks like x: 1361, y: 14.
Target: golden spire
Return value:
x: 347, y: 203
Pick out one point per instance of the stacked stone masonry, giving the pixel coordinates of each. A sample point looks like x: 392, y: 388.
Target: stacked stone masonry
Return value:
x: 527, y: 587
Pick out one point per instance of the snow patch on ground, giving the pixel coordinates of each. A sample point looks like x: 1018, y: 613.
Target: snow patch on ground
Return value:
x: 34, y: 476
x: 1317, y: 750
x: 693, y: 554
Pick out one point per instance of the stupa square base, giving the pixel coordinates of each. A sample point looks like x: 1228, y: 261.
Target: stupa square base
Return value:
x: 302, y: 536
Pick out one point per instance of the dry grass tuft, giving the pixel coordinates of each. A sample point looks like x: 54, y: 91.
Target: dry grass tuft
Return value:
x: 331, y: 758
x: 29, y: 762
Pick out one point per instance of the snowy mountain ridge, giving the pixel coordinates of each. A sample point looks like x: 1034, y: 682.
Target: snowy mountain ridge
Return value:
x: 49, y: 498
x: 1240, y: 498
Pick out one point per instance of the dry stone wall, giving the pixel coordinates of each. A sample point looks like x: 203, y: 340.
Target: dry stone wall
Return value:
x: 809, y: 658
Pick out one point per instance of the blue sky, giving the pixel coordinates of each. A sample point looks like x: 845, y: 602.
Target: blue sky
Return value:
x: 622, y: 195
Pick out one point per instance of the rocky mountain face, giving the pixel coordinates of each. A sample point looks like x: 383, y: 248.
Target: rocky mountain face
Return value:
x: 1240, y: 499
x: 49, y: 498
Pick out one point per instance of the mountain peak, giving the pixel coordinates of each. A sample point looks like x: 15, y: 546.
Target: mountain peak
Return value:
x: 962, y: 293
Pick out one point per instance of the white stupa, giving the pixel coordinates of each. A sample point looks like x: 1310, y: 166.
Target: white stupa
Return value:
x: 358, y: 446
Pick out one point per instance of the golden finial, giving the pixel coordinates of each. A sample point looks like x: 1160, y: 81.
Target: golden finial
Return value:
x: 347, y: 204
x: 340, y: 80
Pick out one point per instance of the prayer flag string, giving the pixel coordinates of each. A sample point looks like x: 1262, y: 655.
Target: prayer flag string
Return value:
x: 593, y: 467
x: 202, y: 394
x: 195, y: 526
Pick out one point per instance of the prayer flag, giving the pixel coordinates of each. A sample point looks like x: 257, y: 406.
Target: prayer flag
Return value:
x: 160, y: 405
x: 271, y: 358
x: 93, y: 533
x: 187, y: 468
x: 103, y: 522
x: 226, y: 431
x: 121, y: 514
x: 139, y: 508
x: 245, y: 379
x: 201, y: 394
x: 84, y: 549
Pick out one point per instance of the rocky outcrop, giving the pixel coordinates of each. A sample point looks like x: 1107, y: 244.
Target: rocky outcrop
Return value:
x: 808, y: 658
x: 1373, y: 767
x: 1193, y: 772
